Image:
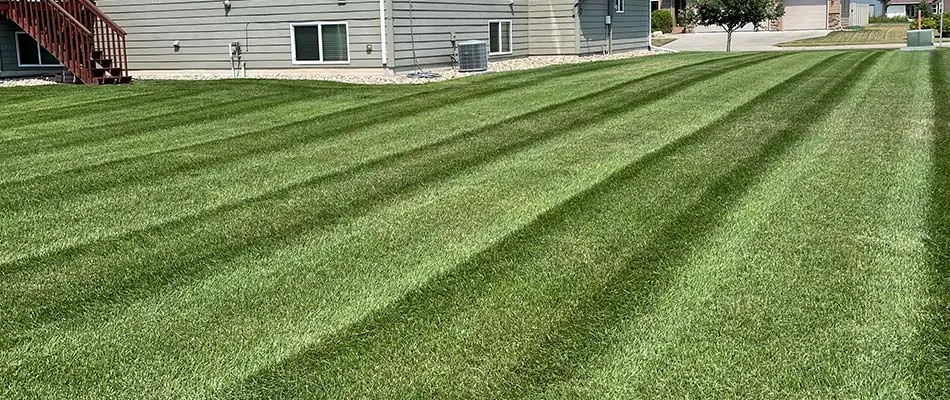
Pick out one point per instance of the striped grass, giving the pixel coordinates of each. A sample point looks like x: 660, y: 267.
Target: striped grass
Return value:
x: 693, y: 225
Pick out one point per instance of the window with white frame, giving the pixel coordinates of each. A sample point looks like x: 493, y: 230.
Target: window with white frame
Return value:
x: 499, y: 37
x: 29, y: 53
x: 320, y: 43
x: 619, y: 6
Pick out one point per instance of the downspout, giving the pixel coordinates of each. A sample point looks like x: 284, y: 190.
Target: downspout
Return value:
x: 383, y: 40
x: 610, y: 26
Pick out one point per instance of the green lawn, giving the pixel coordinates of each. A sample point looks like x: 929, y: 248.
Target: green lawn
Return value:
x: 680, y: 226
x: 870, y: 34
x: 662, y: 41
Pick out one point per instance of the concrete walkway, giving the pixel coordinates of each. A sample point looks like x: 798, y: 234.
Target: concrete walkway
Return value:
x: 741, y: 41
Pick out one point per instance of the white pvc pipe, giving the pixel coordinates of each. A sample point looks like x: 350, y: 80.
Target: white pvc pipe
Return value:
x: 382, y: 32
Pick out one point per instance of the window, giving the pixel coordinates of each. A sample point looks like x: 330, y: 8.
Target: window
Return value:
x: 31, y: 54
x: 654, y: 5
x: 619, y: 6
x: 320, y: 43
x: 499, y: 37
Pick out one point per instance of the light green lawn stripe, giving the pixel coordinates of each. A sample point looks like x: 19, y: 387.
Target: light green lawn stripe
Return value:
x: 174, y: 145
x: 172, y: 114
x: 528, y: 181
x: 150, y: 140
x: 229, y: 231
x: 186, y: 195
x: 738, y: 323
x: 72, y: 112
x: 361, y: 188
x: 460, y: 334
x: 50, y: 98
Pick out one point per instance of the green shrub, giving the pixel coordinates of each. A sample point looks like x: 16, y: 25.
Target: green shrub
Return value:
x: 883, y: 19
x: 933, y: 22
x: 662, y: 21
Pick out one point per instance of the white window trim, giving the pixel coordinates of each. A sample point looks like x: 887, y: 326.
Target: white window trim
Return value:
x: 620, y: 6
x: 293, y: 42
x: 39, y: 52
x: 659, y: 5
x: 511, y: 37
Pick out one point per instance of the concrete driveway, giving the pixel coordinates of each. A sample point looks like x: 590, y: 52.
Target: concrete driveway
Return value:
x: 741, y: 41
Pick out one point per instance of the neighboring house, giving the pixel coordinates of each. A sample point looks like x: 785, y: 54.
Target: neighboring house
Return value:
x: 799, y: 14
x: 877, y: 8
x: 906, y: 8
x: 370, y: 34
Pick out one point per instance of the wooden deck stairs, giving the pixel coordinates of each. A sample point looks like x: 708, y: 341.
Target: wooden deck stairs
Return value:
x: 89, y: 44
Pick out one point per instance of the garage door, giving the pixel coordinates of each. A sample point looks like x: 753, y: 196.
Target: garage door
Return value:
x: 805, y: 14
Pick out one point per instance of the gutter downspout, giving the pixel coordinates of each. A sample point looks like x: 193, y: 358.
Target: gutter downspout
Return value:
x: 383, y: 40
x: 610, y: 27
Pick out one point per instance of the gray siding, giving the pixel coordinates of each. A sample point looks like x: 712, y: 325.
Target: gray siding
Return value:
x: 845, y: 13
x: 430, y: 25
x: 551, y: 27
x: 262, y: 26
x: 8, y: 57
x: 630, y: 29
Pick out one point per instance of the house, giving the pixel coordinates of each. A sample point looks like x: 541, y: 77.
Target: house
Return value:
x: 305, y: 35
x: 877, y: 7
x: 907, y: 8
x: 799, y: 14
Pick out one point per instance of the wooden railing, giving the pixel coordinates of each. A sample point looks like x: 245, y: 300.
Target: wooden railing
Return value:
x: 110, y: 38
x: 58, y: 31
x: 78, y: 34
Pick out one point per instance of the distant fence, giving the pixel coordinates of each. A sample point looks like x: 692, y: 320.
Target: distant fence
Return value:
x: 859, y: 14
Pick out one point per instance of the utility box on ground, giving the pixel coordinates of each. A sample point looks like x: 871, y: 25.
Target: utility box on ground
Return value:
x: 920, y: 39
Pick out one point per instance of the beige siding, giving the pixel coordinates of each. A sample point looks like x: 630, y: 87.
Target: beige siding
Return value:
x: 204, y: 31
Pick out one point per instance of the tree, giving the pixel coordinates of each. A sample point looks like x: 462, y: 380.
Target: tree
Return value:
x: 926, y: 9
x: 687, y: 17
x: 733, y: 14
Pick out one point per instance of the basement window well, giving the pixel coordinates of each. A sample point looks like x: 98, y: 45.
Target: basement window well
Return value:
x: 499, y: 37
x: 320, y: 43
x: 31, y: 54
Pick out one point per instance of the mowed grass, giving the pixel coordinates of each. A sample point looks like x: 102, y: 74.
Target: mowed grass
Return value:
x: 683, y: 226
x: 870, y: 34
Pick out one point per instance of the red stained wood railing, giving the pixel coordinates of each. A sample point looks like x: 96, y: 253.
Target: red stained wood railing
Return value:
x: 78, y: 34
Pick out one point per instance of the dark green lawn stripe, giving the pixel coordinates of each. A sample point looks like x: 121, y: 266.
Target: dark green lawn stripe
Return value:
x: 148, y: 267
x: 576, y: 341
x: 69, y: 111
x: 357, y: 116
x: 423, y: 309
x: 201, y: 114
x: 63, y: 185
x: 29, y: 100
x: 933, y: 370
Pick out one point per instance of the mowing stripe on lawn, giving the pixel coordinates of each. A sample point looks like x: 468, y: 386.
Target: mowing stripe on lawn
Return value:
x: 170, y: 115
x: 357, y: 266
x: 28, y: 222
x: 435, y: 309
x: 933, y: 370
x: 585, y: 336
x: 806, y: 292
x: 211, y: 152
x: 27, y: 219
x: 363, y: 187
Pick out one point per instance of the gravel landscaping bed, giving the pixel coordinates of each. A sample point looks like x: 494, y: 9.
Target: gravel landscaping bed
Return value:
x: 380, y: 77
x: 17, y: 82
